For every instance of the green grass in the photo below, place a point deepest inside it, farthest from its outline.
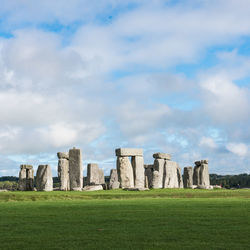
(155, 219)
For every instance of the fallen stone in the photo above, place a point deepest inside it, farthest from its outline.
(93, 188)
(75, 169)
(136, 189)
(62, 155)
(162, 156)
(125, 172)
(44, 181)
(129, 152)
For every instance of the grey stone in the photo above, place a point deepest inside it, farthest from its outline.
(75, 169)
(179, 176)
(129, 152)
(159, 166)
(188, 177)
(44, 181)
(63, 174)
(101, 176)
(201, 174)
(156, 180)
(113, 179)
(26, 178)
(136, 189)
(93, 188)
(92, 174)
(149, 175)
(162, 156)
(62, 155)
(171, 175)
(125, 172)
(138, 167)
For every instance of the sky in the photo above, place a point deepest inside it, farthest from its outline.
(165, 76)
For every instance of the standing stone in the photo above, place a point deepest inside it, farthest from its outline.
(188, 177)
(170, 174)
(101, 176)
(149, 175)
(75, 169)
(201, 174)
(63, 174)
(44, 181)
(156, 180)
(138, 167)
(113, 179)
(92, 174)
(179, 176)
(159, 166)
(125, 172)
(26, 178)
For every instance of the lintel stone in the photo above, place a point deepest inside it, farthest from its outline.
(162, 156)
(129, 152)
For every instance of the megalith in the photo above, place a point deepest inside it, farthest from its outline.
(95, 175)
(130, 172)
(201, 174)
(75, 169)
(125, 172)
(44, 180)
(149, 169)
(63, 171)
(26, 178)
(188, 177)
(166, 172)
(113, 179)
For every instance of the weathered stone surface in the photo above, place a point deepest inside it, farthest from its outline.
(62, 155)
(63, 174)
(179, 176)
(93, 188)
(162, 156)
(170, 175)
(149, 169)
(26, 178)
(159, 166)
(136, 189)
(188, 177)
(138, 167)
(156, 180)
(92, 174)
(113, 179)
(125, 172)
(75, 169)
(129, 152)
(44, 181)
(201, 174)
(101, 177)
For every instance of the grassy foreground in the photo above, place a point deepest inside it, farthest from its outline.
(155, 219)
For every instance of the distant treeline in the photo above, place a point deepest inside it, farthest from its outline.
(226, 181)
(231, 181)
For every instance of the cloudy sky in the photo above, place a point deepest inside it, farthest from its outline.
(168, 76)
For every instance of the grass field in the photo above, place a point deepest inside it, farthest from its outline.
(117, 219)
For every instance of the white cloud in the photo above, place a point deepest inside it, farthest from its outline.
(208, 142)
(239, 149)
